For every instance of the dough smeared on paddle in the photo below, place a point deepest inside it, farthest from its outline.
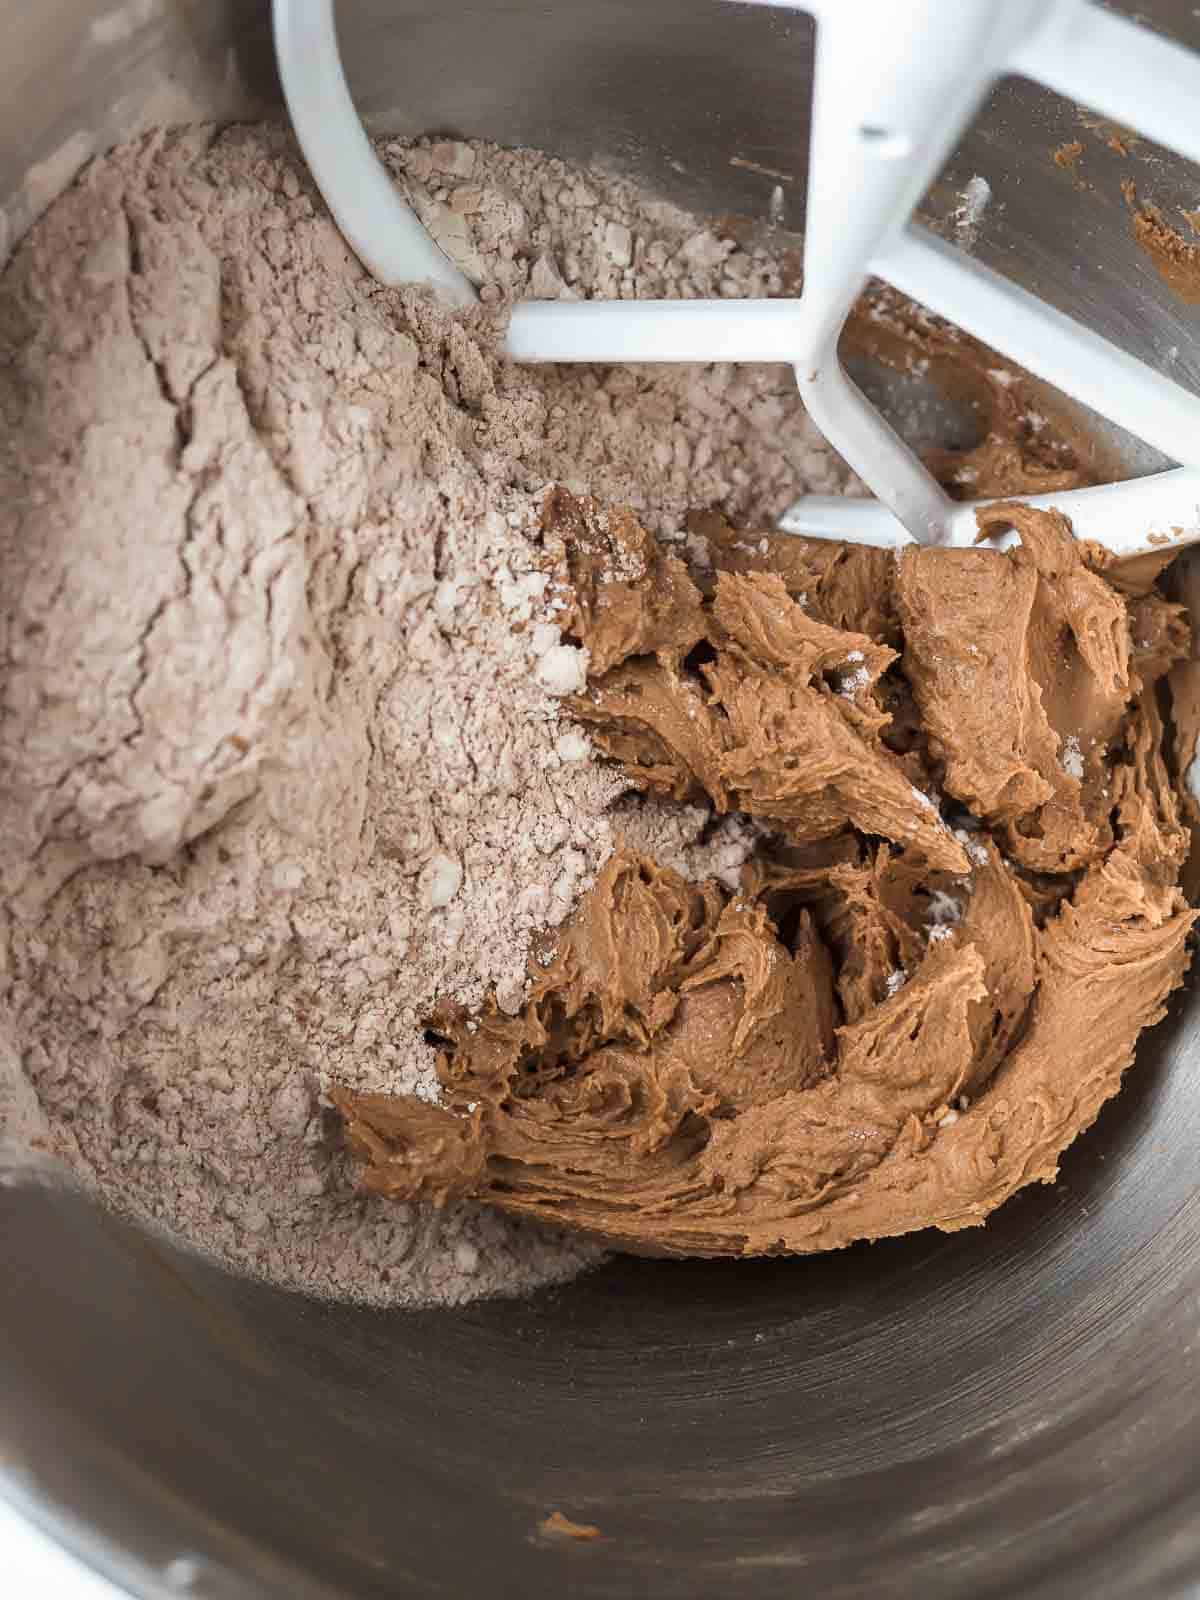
(933, 974)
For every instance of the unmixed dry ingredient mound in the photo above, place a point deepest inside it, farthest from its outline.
(282, 761)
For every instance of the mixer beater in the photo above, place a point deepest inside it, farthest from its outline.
(896, 83)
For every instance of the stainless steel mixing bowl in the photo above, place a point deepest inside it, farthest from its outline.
(1013, 1411)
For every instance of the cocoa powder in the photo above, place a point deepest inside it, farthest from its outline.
(281, 757)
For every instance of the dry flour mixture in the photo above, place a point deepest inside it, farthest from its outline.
(282, 759)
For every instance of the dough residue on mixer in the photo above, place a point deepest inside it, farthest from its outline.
(1176, 259)
(933, 973)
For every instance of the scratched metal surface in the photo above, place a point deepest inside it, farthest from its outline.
(1013, 1411)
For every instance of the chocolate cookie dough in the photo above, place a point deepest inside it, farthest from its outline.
(933, 973)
